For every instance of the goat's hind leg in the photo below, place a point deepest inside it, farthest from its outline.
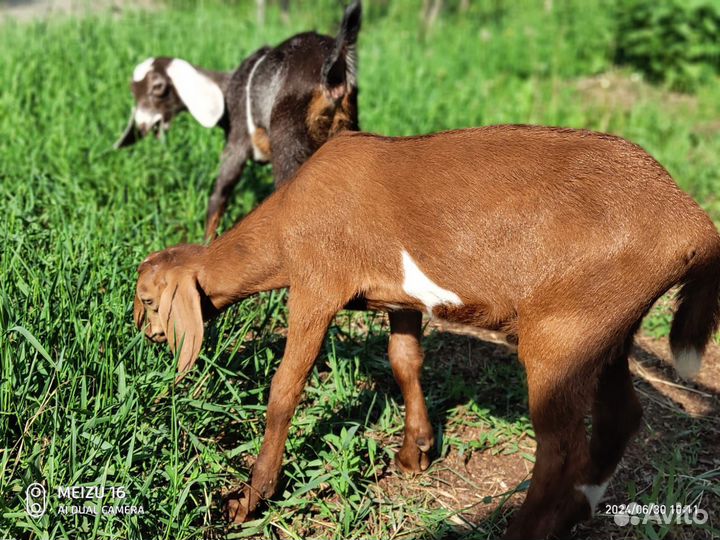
(562, 366)
(616, 416)
(406, 360)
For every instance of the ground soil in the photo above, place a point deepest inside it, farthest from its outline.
(464, 482)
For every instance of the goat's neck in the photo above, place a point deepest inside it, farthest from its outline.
(246, 260)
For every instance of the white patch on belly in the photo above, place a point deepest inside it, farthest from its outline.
(418, 285)
(142, 69)
(593, 493)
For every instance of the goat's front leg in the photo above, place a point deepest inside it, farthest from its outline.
(406, 360)
(307, 326)
(233, 161)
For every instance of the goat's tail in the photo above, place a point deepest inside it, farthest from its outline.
(696, 318)
(341, 65)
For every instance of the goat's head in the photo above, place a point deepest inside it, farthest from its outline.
(164, 87)
(168, 304)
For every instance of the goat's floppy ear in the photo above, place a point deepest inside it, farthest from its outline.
(200, 94)
(339, 72)
(130, 135)
(181, 318)
(138, 312)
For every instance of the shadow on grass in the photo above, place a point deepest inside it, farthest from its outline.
(458, 370)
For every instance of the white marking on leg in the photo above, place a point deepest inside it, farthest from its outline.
(593, 493)
(687, 362)
(418, 285)
(142, 69)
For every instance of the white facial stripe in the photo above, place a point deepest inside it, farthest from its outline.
(418, 285)
(146, 118)
(593, 493)
(142, 69)
(248, 104)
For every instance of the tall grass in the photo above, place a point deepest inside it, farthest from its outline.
(84, 400)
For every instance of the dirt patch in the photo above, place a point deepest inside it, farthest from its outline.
(482, 488)
(479, 491)
(619, 91)
(651, 362)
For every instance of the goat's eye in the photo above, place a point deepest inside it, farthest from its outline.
(159, 89)
(147, 301)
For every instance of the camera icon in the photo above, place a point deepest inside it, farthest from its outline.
(35, 500)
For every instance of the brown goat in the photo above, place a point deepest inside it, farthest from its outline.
(561, 238)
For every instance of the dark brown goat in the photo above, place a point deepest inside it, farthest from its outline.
(563, 239)
(279, 106)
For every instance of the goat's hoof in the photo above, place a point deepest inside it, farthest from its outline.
(414, 458)
(550, 520)
(237, 508)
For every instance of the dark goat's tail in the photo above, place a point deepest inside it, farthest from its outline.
(696, 319)
(339, 72)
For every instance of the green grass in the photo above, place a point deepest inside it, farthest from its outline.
(85, 400)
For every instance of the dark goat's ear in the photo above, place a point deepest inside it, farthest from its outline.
(339, 72)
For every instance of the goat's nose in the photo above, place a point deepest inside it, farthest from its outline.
(159, 337)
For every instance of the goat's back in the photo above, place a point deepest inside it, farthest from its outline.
(503, 212)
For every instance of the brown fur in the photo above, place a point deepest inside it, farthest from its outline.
(326, 117)
(261, 141)
(564, 237)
